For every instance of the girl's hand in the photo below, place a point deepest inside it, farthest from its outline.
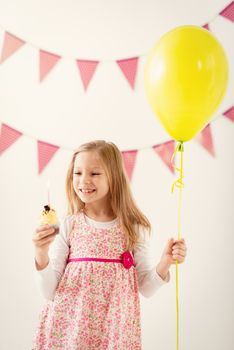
(43, 237)
(174, 250)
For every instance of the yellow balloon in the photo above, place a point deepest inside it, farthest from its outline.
(185, 80)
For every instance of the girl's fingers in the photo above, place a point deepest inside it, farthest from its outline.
(42, 228)
(41, 234)
(179, 245)
(168, 247)
(179, 259)
(44, 241)
(178, 251)
(179, 256)
(48, 240)
(179, 241)
(41, 241)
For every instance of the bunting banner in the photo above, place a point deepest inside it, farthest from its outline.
(129, 69)
(206, 140)
(87, 70)
(228, 12)
(10, 45)
(129, 159)
(8, 136)
(47, 60)
(45, 152)
(206, 26)
(230, 114)
(164, 150)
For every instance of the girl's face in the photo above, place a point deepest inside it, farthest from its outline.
(89, 178)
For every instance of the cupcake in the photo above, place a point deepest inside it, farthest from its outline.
(49, 217)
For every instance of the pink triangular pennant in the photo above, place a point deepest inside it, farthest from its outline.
(129, 158)
(165, 152)
(129, 68)
(230, 113)
(47, 62)
(87, 69)
(205, 139)
(7, 137)
(206, 26)
(228, 12)
(45, 152)
(10, 45)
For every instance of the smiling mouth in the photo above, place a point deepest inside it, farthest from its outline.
(87, 191)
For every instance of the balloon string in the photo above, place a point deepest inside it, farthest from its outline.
(179, 184)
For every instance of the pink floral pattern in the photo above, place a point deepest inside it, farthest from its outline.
(96, 304)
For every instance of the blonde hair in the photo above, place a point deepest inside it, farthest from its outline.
(121, 198)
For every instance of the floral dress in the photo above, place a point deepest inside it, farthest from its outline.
(96, 303)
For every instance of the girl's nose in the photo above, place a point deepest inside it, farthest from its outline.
(85, 179)
(86, 182)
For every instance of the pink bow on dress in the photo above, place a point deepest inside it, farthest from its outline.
(127, 259)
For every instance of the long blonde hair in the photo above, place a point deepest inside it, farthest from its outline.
(121, 198)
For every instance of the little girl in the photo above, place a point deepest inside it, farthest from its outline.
(100, 260)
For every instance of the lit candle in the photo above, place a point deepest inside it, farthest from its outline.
(48, 192)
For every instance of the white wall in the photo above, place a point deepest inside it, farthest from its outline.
(58, 111)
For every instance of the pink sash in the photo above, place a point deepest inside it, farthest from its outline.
(126, 260)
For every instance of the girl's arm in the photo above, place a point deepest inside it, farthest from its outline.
(47, 279)
(149, 281)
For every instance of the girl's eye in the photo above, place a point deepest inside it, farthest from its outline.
(92, 173)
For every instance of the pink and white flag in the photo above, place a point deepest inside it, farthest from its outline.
(7, 137)
(206, 140)
(129, 68)
(129, 159)
(165, 152)
(45, 152)
(228, 12)
(206, 26)
(47, 62)
(229, 113)
(10, 45)
(87, 70)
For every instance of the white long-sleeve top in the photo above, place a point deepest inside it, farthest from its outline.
(47, 279)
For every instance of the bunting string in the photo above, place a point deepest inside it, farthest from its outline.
(87, 67)
(227, 13)
(46, 150)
